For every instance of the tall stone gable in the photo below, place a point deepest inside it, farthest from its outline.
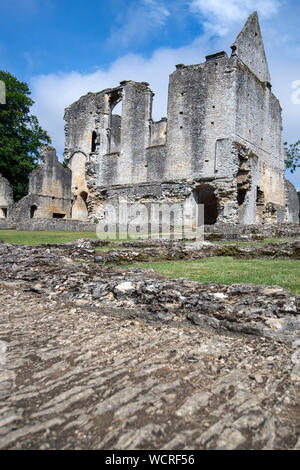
(249, 47)
(221, 144)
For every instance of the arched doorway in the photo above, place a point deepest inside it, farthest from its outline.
(33, 210)
(205, 195)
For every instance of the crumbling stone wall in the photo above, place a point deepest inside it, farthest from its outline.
(223, 134)
(49, 194)
(292, 202)
(6, 199)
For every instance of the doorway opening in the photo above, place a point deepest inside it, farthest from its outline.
(205, 195)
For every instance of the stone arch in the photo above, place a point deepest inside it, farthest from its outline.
(115, 121)
(33, 210)
(205, 195)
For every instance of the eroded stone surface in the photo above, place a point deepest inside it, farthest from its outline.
(94, 357)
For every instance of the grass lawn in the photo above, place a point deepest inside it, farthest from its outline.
(227, 270)
(35, 238)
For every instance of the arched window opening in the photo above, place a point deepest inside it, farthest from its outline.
(114, 131)
(94, 142)
(241, 194)
(3, 213)
(33, 210)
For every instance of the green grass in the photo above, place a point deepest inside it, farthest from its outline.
(35, 238)
(227, 270)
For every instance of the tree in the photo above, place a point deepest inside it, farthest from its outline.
(293, 155)
(20, 135)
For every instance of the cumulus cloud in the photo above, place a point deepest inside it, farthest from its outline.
(53, 93)
(218, 15)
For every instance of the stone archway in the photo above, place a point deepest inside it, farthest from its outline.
(205, 195)
(33, 210)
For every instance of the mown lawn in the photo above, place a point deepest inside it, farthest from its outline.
(227, 270)
(35, 238)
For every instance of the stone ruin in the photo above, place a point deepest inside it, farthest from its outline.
(221, 145)
(6, 199)
(49, 194)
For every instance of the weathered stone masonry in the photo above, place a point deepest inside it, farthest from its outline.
(221, 144)
(6, 199)
(49, 194)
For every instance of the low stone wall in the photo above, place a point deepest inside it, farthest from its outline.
(7, 224)
(52, 225)
(251, 232)
(212, 232)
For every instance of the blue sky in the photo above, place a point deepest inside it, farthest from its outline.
(65, 48)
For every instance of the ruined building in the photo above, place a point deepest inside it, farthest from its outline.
(221, 144)
(6, 199)
(49, 194)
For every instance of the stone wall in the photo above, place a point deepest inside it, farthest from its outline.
(6, 199)
(50, 193)
(255, 231)
(223, 130)
(50, 225)
(292, 202)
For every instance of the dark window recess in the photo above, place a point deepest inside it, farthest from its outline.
(260, 197)
(33, 210)
(94, 141)
(241, 196)
(58, 216)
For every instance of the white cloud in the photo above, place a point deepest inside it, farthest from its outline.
(218, 15)
(52, 93)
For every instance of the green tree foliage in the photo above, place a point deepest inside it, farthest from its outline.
(20, 135)
(293, 155)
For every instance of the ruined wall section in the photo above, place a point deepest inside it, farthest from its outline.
(50, 178)
(49, 194)
(81, 121)
(258, 125)
(200, 111)
(81, 149)
(292, 202)
(6, 199)
(156, 153)
(249, 47)
(135, 132)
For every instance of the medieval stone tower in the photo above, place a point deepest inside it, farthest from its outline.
(221, 144)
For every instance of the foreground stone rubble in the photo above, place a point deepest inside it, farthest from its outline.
(95, 356)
